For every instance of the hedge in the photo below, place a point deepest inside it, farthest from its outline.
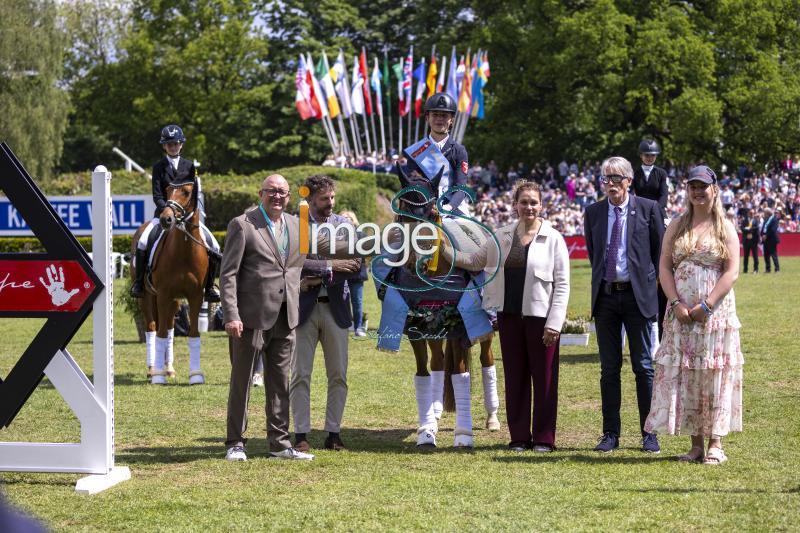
(119, 243)
(229, 195)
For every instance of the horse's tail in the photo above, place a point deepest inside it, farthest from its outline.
(449, 402)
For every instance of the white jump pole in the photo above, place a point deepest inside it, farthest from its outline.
(92, 403)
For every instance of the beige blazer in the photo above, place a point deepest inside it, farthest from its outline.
(546, 290)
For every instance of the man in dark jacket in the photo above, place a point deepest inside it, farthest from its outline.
(751, 237)
(771, 238)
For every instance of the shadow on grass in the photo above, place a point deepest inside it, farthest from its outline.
(581, 457)
(580, 358)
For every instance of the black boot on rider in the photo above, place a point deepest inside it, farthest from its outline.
(211, 293)
(137, 288)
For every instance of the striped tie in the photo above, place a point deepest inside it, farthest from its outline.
(613, 246)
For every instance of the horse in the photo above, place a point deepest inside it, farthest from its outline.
(433, 317)
(179, 270)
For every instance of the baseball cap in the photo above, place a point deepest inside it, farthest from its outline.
(702, 173)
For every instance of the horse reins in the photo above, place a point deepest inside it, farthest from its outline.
(181, 221)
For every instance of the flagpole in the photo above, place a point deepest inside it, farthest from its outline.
(411, 92)
(379, 106)
(353, 123)
(388, 82)
(342, 131)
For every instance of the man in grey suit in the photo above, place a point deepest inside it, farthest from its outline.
(325, 317)
(260, 284)
(623, 239)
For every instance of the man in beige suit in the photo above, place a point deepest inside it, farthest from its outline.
(260, 282)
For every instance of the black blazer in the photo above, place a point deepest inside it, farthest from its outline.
(164, 175)
(338, 291)
(751, 230)
(645, 229)
(653, 187)
(770, 231)
(456, 155)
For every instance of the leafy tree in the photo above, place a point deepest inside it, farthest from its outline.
(33, 106)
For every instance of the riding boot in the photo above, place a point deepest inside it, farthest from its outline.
(137, 288)
(211, 293)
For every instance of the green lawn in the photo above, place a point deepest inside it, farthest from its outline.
(172, 439)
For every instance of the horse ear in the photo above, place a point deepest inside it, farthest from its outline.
(404, 181)
(436, 179)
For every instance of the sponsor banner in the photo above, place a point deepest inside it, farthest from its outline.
(789, 246)
(43, 286)
(128, 213)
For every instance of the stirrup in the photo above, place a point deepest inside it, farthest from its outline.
(211, 295)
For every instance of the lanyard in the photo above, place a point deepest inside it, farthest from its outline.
(283, 242)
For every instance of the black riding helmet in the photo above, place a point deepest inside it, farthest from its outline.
(649, 147)
(441, 102)
(172, 133)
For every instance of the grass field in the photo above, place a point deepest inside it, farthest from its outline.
(172, 439)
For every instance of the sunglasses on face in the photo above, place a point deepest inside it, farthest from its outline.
(278, 193)
(613, 178)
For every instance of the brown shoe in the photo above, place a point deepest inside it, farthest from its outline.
(302, 446)
(334, 442)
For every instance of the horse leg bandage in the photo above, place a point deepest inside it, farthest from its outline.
(170, 347)
(422, 385)
(160, 353)
(150, 343)
(461, 386)
(194, 354)
(490, 399)
(437, 388)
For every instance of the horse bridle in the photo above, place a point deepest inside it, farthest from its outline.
(182, 217)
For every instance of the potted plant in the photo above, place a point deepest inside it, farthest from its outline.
(575, 331)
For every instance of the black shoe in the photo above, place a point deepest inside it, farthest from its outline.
(140, 262)
(211, 294)
(608, 443)
(334, 442)
(518, 446)
(650, 443)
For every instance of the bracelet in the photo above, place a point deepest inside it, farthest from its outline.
(706, 308)
(674, 302)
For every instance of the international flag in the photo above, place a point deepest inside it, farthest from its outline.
(323, 74)
(486, 72)
(362, 60)
(452, 82)
(465, 98)
(398, 74)
(357, 93)
(339, 75)
(432, 72)
(477, 87)
(408, 65)
(440, 81)
(302, 100)
(460, 70)
(419, 75)
(376, 87)
(316, 90)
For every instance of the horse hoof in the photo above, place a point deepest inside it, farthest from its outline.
(197, 378)
(158, 378)
(426, 438)
(463, 438)
(170, 371)
(492, 423)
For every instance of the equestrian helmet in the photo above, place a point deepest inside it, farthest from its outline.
(649, 147)
(441, 102)
(172, 133)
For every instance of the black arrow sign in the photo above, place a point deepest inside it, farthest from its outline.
(60, 245)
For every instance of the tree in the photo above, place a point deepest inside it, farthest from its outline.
(33, 106)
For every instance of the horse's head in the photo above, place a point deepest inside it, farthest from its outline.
(415, 202)
(181, 205)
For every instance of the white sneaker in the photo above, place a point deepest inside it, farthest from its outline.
(291, 453)
(236, 453)
(361, 333)
(426, 438)
(258, 379)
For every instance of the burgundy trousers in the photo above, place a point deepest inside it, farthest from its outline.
(527, 361)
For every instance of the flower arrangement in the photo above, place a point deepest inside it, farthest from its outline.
(576, 324)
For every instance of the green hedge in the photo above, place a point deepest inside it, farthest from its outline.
(228, 196)
(119, 243)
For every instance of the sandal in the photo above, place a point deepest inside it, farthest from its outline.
(694, 455)
(715, 456)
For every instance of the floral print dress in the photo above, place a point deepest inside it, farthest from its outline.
(697, 387)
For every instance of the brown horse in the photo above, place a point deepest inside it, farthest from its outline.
(179, 270)
(450, 360)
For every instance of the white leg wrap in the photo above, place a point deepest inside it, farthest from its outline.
(461, 384)
(490, 399)
(159, 377)
(194, 354)
(422, 385)
(170, 347)
(150, 343)
(437, 388)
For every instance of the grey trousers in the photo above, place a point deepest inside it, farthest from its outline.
(320, 327)
(277, 349)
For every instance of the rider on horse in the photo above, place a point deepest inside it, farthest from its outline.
(173, 169)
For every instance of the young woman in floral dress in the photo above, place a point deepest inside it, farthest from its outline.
(697, 389)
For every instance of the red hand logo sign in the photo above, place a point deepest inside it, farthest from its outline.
(43, 286)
